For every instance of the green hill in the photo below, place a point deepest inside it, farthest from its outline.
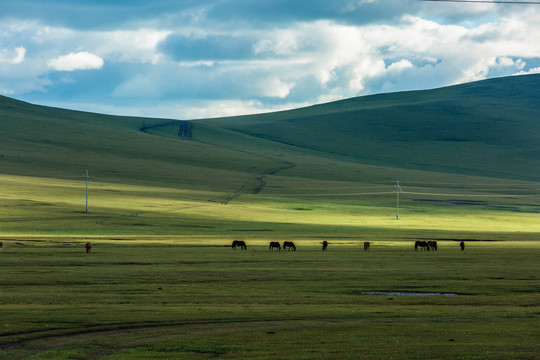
(488, 128)
(328, 168)
(162, 280)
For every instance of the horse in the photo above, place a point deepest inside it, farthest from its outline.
(289, 245)
(366, 245)
(462, 246)
(240, 243)
(1, 245)
(420, 244)
(432, 245)
(274, 245)
(88, 247)
(324, 245)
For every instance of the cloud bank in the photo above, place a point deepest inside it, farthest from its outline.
(194, 59)
(76, 61)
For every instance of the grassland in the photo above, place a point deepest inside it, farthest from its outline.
(163, 283)
(179, 300)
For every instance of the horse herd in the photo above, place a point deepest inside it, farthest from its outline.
(289, 245)
(432, 246)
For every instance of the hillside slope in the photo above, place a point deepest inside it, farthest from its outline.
(488, 128)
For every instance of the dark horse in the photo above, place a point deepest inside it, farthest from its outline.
(289, 245)
(88, 247)
(462, 246)
(240, 243)
(420, 244)
(274, 245)
(324, 245)
(432, 245)
(1, 245)
(366, 245)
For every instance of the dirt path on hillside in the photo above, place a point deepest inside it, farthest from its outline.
(254, 186)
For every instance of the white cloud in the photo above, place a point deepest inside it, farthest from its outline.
(535, 70)
(399, 66)
(306, 60)
(12, 57)
(6, 92)
(132, 46)
(76, 61)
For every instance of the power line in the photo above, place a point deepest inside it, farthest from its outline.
(468, 195)
(489, 2)
(87, 178)
(329, 194)
(397, 190)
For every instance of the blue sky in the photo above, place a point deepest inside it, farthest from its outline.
(188, 59)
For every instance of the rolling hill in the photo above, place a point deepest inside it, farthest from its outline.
(471, 146)
(487, 128)
(162, 281)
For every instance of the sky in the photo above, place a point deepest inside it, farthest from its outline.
(190, 59)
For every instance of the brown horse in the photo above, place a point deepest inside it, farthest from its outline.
(462, 246)
(1, 245)
(240, 243)
(420, 244)
(366, 245)
(324, 245)
(432, 245)
(274, 245)
(289, 245)
(88, 247)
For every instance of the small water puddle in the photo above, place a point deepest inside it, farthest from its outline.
(406, 293)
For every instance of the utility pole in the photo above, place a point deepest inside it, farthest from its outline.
(86, 177)
(397, 190)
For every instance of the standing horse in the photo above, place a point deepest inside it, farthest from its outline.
(1, 245)
(462, 246)
(274, 245)
(420, 244)
(366, 245)
(289, 245)
(240, 243)
(324, 245)
(432, 245)
(88, 247)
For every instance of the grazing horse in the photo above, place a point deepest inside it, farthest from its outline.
(324, 245)
(88, 247)
(274, 245)
(240, 243)
(289, 245)
(1, 245)
(366, 245)
(432, 245)
(420, 244)
(462, 246)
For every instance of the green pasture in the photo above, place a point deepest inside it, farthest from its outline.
(162, 282)
(185, 300)
(45, 206)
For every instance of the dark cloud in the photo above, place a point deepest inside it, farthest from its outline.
(283, 11)
(211, 47)
(97, 14)
(104, 14)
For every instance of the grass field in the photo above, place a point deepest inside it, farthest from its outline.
(163, 283)
(173, 299)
